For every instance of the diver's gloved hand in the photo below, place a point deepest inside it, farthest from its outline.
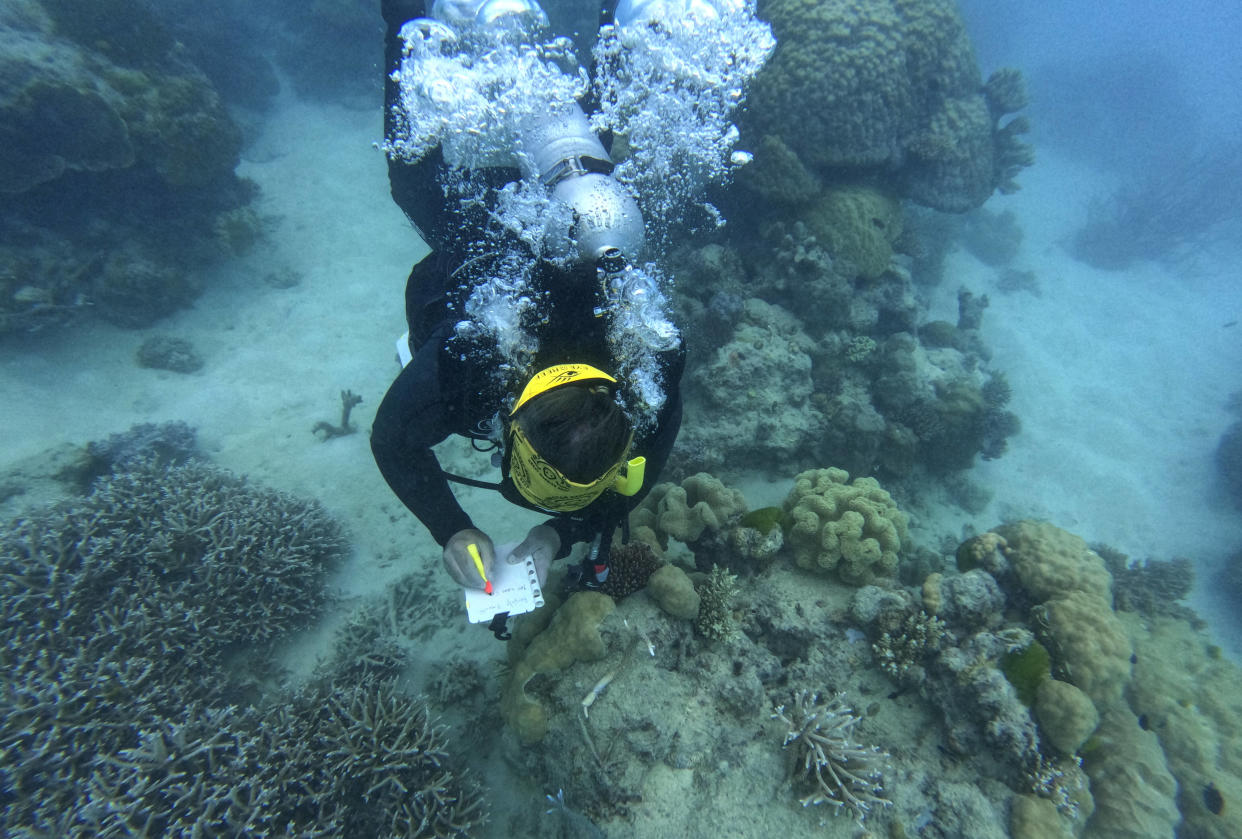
(461, 565)
(541, 544)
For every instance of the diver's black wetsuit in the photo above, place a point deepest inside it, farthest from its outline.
(451, 386)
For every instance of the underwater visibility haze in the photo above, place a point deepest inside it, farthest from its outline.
(950, 540)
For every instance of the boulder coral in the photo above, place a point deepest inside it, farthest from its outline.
(573, 635)
(1186, 692)
(1067, 716)
(1134, 792)
(674, 592)
(1073, 588)
(1050, 561)
(852, 528)
(858, 225)
(889, 85)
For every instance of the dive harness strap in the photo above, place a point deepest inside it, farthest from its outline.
(573, 166)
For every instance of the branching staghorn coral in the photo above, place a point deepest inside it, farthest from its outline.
(847, 775)
(122, 712)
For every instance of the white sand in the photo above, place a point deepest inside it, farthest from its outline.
(1119, 377)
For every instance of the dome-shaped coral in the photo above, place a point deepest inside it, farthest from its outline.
(853, 528)
(888, 85)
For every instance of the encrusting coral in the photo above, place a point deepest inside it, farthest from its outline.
(573, 635)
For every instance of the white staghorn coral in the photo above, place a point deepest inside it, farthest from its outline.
(847, 775)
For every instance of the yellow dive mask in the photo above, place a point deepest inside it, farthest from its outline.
(541, 483)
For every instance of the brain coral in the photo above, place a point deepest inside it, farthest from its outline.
(701, 504)
(889, 84)
(853, 528)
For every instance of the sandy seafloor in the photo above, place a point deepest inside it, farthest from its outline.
(1120, 379)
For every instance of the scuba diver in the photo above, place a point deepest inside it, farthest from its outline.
(533, 330)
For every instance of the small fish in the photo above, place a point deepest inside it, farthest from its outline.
(1229, 324)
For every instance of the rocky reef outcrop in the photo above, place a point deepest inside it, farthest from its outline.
(117, 166)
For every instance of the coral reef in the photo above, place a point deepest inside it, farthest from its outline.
(847, 775)
(168, 352)
(755, 391)
(136, 641)
(852, 528)
(1150, 745)
(844, 381)
(871, 87)
(117, 157)
(1074, 614)
(672, 713)
(804, 360)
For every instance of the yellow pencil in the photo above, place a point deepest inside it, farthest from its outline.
(478, 563)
